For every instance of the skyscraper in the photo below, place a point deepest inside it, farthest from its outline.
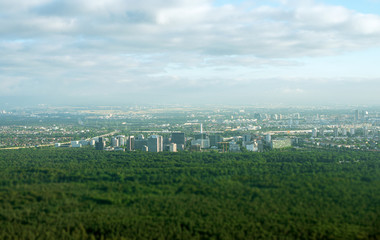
(130, 143)
(178, 138)
(100, 144)
(356, 115)
(155, 143)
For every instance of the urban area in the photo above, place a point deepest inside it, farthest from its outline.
(173, 128)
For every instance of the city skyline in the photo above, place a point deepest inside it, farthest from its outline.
(219, 52)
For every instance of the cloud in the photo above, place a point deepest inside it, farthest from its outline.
(124, 45)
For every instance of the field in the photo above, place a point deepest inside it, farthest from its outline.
(88, 194)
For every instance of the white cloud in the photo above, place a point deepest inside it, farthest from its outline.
(110, 45)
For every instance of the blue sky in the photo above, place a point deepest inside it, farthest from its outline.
(292, 52)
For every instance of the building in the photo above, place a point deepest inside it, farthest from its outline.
(75, 144)
(139, 144)
(121, 139)
(180, 147)
(344, 132)
(214, 140)
(155, 143)
(173, 147)
(100, 144)
(321, 132)
(356, 115)
(201, 136)
(203, 143)
(130, 146)
(234, 147)
(365, 131)
(114, 142)
(252, 147)
(178, 138)
(314, 133)
(352, 131)
(268, 138)
(247, 138)
(336, 132)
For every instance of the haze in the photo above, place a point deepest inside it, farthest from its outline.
(190, 51)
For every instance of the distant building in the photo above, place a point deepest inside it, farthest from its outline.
(314, 133)
(365, 131)
(195, 148)
(201, 136)
(336, 132)
(155, 143)
(140, 144)
(247, 138)
(121, 139)
(356, 115)
(114, 142)
(203, 143)
(268, 138)
(130, 146)
(180, 147)
(214, 140)
(344, 132)
(166, 140)
(100, 144)
(352, 131)
(84, 142)
(178, 138)
(234, 147)
(144, 148)
(173, 147)
(75, 144)
(322, 132)
(252, 147)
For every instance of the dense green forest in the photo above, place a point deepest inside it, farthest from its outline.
(89, 194)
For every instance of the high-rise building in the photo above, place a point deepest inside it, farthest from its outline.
(356, 115)
(365, 131)
(201, 136)
(247, 138)
(314, 133)
(114, 142)
(100, 144)
(178, 138)
(130, 146)
(121, 139)
(352, 131)
(268, 138)
(155, 143)
(214, 140)
(336, 132)
(321, 132)
(173, 147)
(344, 132)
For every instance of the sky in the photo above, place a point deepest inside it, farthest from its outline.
(106, 52)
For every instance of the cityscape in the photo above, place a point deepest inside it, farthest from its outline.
(189, 119)
(194, 129)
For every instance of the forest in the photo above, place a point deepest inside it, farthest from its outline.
(52, 193)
